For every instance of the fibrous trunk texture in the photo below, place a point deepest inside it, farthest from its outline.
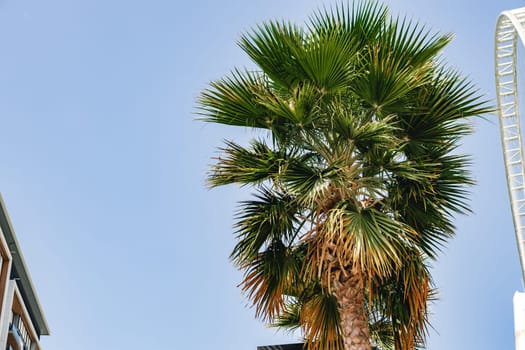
(354, 321)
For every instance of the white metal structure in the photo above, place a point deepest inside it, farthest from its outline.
(510, 27)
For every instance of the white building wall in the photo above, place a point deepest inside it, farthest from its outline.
(7, 313)
(519, 320)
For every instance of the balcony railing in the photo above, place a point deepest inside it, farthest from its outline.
(19, 332)
(298, 346)
(282, 347)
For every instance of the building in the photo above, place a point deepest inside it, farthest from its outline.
(22, 319)
(297, 346)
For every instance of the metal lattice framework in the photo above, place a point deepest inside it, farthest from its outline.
(510, 27)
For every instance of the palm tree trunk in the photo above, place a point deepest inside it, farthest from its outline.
(354, 321)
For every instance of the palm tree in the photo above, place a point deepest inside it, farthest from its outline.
(356, 172)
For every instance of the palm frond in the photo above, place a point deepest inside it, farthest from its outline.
(272, 216)
(381, 331)
(271, 46)
(356, 237)
(267, 277)
(321, 322)
(231, 101)
(290, 317)
(246, 165)
(403, 298)
(362, 20)
(412, 44)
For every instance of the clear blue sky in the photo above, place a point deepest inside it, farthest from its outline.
(103, 167)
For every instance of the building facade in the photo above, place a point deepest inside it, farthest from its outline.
(22, 319)
(297, 346)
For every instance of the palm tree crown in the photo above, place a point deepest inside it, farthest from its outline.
(356, 172)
